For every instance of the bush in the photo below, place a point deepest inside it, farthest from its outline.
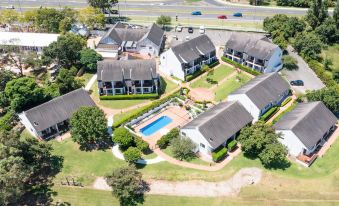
(146, 109)
(183, 148)
(242, 67)
(123, 137)
(269, 113)
(130, 96)
(194, 75)
(132, 154)
(219, 154)
(213, 64)
(318, 68)
(141, 144)
(6, 121)
(164, 141)
(231, 145)
(287, 100)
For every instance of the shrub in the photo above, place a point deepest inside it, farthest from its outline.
(6, 121)
(214, 63)
(130, 96)
(183, 148)
(132, 154)
(231, 145)
(123, 137)
(164, 141)
(194, 75)
(318, 68)
(219, 154)
(287, 100)
(269, 113)
(242, 67)
(141, 144)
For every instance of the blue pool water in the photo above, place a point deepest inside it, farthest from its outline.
(155, 125)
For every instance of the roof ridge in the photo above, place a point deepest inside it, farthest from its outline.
(227, 105)
(257, 83)
(309, 109)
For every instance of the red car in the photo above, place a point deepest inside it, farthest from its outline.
(222, 17)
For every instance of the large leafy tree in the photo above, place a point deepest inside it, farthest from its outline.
(327, 31)
(5, 76)
(89, 59)
(27, 168)
(66, 50)
(89, 128)
(273, 154)
(66, 80)
(308, 44)
(132, 154)
(123, 137)
(24, 93)
(317, 13)
(183, 148)
(8, 16)
(91, 17)
(127, 185)
(48, 20)
(102, 4)
(329, 96)
(336, 14)
(164, 20)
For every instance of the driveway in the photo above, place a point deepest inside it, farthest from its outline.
(311, 81)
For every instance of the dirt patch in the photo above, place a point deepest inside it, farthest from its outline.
(229, 188)
(201, 94)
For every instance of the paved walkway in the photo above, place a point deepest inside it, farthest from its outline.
(282, 109)
(91, 82)
(215, 167)
(118, 154)
(228, 188)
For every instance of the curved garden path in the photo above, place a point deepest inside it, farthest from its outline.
(227, 188)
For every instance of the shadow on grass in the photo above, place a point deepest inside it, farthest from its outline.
(98, 145)
(275, 165)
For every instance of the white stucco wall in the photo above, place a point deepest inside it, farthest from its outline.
(291, 141)
(274, 61)
(197, 138)
(146, 47)
(247, 103)
(170, 65)
(28, 125)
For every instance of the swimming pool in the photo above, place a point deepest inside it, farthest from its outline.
(156, 125)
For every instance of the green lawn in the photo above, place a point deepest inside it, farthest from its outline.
(197, 161)
(332, 52)
(223, 90)
(86, 77)
(217, 75)
(170, 86)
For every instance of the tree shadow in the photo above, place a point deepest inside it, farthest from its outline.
(163, 86)
(279, 165)
(98, 145)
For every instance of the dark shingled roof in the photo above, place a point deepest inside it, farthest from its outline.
(264, 89)
(221, 122)
(117, 70)
(253, 45)
(155, 34)
(308, 121)
(192, 49)
(58, 109)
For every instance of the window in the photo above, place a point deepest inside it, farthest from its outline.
(146, 90)
(202, 145)
(150, 47)
(138, 90)
(183, 133)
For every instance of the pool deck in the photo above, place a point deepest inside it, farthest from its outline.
(179, 116)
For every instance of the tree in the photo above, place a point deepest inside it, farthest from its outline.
(308, 45)
(127, 185)
(290, 63)
(328, 63)
(102, 4)
(132, 154)
(89, 58)
(273, 155)
(8, 16)
(329, 96)
(164, 20)
(66, 80)
(5, 76)
(123, 137)
(91, 17)
(48, 20)
(328, 32)
(23, 93)
(88, 127)
(27, 168)
(66, 50)
(335, 74)
(317, 13)
(142, 145)
(336, 14)
(183, 148)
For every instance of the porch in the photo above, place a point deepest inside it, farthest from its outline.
(55, 130)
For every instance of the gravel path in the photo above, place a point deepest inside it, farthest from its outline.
(228, 188)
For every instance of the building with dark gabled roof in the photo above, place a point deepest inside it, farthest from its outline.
(52, 118)
(127, 77)
(217, 126)
(124, 38)
(188, 57)
(306, 128)
(261, 93)
(255, 52)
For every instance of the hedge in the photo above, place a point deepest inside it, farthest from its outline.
(144, 110)
(240, 66)
(165, 140)
(130, 96)
(213, 64)
(219, 154)
(269, 113)
(287, 100)
(231, 145)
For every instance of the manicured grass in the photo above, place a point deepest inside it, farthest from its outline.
(223, 90)
(196, 160)
(170, 86)
(87, 76)
(217, 75)
(332, 52)
(114, 104)
(122, 115)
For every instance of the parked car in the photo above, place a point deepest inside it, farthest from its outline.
(196, 13)
(222, 17)
(190, 29)
(10, 7)
(202, 30)
(297, 82)
(179, 28)
(187, 38)
(237, 14)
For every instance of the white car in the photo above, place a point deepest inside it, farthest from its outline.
(202, 30)
(179, 28)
